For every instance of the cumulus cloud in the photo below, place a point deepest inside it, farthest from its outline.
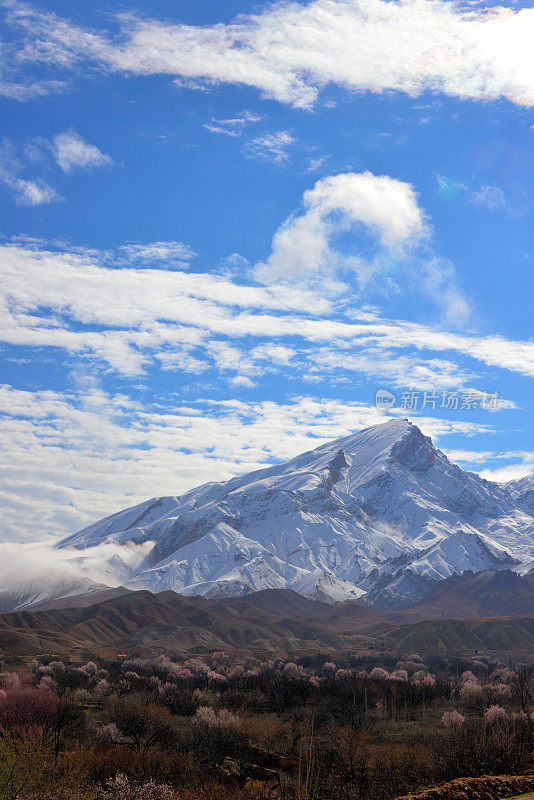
(291, 50)
(71, 152)
(385, 206)
(243, 381)
(309, 245)
(181, 360)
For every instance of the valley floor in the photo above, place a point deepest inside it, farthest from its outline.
(365, 726)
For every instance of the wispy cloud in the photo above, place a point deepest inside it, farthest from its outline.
(14, 83)
(270, 147)
(68, 150)
(510, 472)
(315, 164)
(233, 126)
(32, 192)
(489, 195)
(24, 90)
(60, 299)
(26, 191)
(170, 255)
(290, 51)
(396, 370)
(72, 152)
(521, 463)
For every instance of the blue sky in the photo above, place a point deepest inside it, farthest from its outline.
(224, 227)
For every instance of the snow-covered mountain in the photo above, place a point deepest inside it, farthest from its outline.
(380, 514)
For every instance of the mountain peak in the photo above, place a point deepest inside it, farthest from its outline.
(378, 511)
(367, 453)
(414, 450)
(379, 437)
(368, 445)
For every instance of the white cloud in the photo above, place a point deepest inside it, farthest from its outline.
(401, 371)
(436, 278)
(28, 90)
(233, 126)
(20, 87)
(33, 193)
(386, 206)
(27, 192)
(489, 195)
(68, 150)
(233, 265)
(521, 466)
(68, 300)
(228, 357)
(242, 380)
(181, 361)
(23, 564)
(158, 309)
(275, 353)
(315, 164)
(71, 152)
(511, 472)
(468, 457)
(175, 255)
(291, 50)
(270, 147)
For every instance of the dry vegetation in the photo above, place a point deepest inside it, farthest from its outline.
(216, 728)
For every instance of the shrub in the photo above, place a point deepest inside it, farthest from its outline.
(120, 788)
(40, 775)
(26, 712)
(104, 764)
(142, 727)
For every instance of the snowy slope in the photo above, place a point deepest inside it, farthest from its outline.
(381, 512)
(523, 492)
(23, 594)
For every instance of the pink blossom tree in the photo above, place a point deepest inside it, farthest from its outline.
(495, 714)
(452, 719)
